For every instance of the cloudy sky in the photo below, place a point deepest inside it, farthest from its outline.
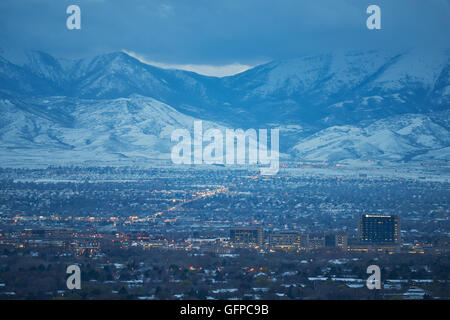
(219, 36)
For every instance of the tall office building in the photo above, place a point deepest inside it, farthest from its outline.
(247, 235)
(288, 240)
(379, 229)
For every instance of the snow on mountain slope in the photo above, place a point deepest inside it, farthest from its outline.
(113, 75)
(22, 129)
(363, 85)
(442, 154)
(114, 107)
(134, 127)
(342, 71)
(419, 66)
(392, 139)
(328, 73)
(17, 80)
(304, 90)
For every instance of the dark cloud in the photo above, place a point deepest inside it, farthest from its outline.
(220, 32)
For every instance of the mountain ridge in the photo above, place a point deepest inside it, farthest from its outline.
(308, 98)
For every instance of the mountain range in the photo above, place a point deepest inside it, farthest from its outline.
(341, 106)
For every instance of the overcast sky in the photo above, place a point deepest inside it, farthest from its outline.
(219, 36)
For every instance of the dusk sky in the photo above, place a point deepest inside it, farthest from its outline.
(211, 36)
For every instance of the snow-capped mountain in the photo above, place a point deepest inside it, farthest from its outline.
(108, 76)
(383, 105)
(397, 138)
(66, 130)
(313, 91)
(343, 88)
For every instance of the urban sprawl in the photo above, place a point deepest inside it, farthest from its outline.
(216, 233)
